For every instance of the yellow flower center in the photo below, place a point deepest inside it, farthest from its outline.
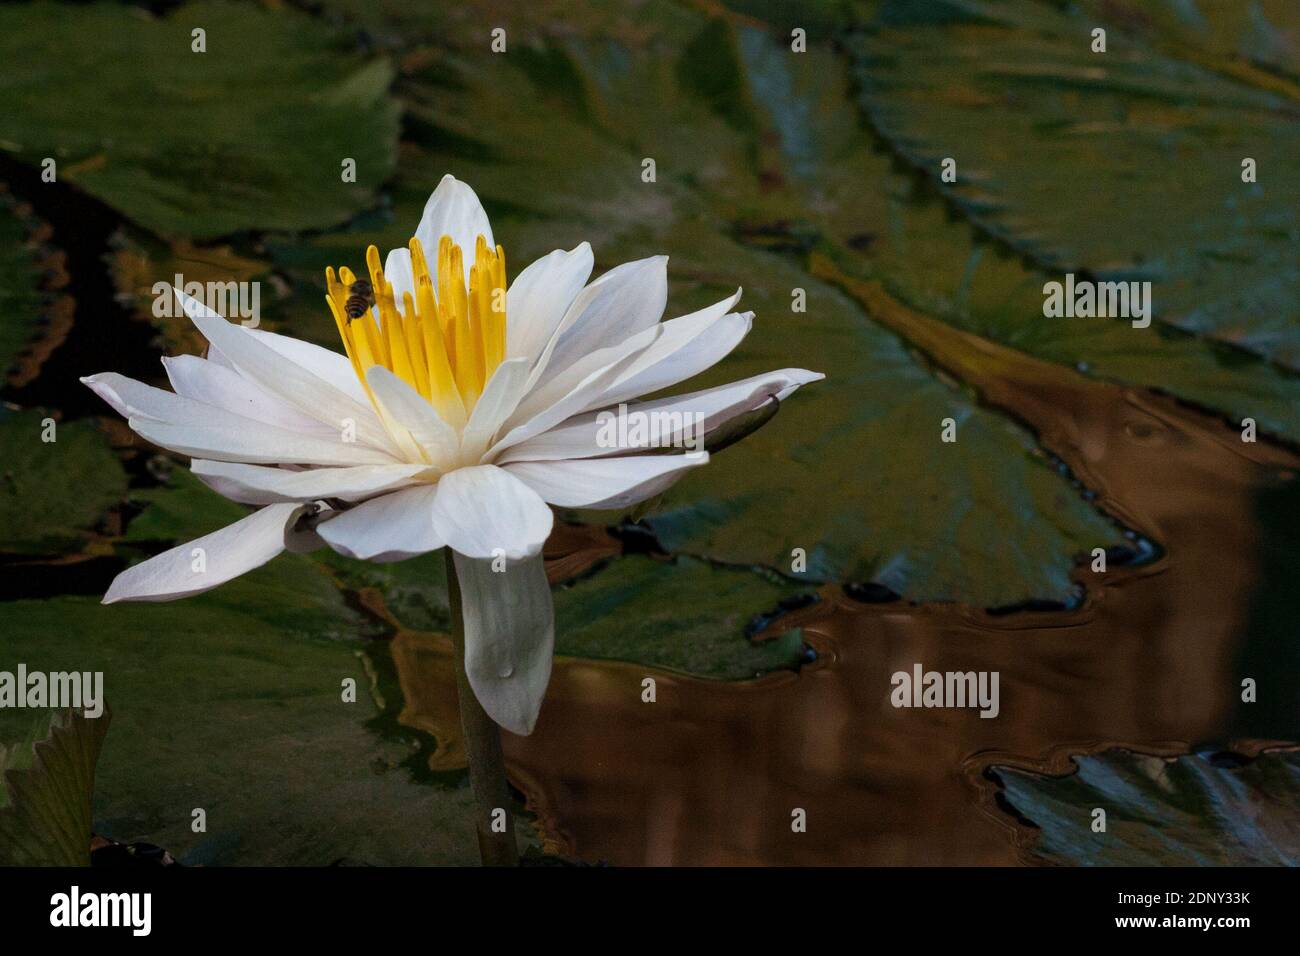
(444, 344)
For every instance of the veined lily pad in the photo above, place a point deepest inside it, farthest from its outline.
(894, 229)
(250, 134)
(46, 790)
(1041, 127)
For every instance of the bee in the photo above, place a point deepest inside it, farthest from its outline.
(361, 297)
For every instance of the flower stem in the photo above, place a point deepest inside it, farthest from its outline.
(487, 765)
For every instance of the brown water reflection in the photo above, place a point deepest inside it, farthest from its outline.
(711, 772)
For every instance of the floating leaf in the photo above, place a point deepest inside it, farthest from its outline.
(232, 702)
(1043, 129)
(51, 492)
(250, 134)
(681, 614)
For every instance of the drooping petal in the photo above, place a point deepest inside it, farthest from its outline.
(539, 298)
(388, 528)
(509, 637)
(289, 381)
(454, 210)
(483, 512)
(205, 431)
(627, 299)
(604, 482)
(682, 419)
(259, 485)
(409, 410)
(205, 562)
(219, 385)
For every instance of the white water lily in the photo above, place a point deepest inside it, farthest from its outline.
(458, 414)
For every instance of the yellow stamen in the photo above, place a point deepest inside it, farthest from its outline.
(444, 342)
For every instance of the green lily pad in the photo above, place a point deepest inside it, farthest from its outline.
(180, 509)
(681, 614)
(250, 134)
(1057, 148)
(45, 795)
(1197, 810)
(52, 492)
(889, 226)
(232, 702)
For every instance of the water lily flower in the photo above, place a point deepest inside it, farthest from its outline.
(459, 410)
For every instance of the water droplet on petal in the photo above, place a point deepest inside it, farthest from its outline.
(506, 670)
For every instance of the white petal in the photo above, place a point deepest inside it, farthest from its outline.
(222, 386)
(571, 404)
(604, 482)
(388, 528)
(547, 393)
(484, 512)
(624, 301)
(539, 298)
(294, 384)
(398, 272)
(210, 560)
(453, 210)
(409, 410)
(509, 637)
(332, 367)
(681, 419)
(234, 441)
(687, 346)
(205, 431)
(500, 397)
(259, 485)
